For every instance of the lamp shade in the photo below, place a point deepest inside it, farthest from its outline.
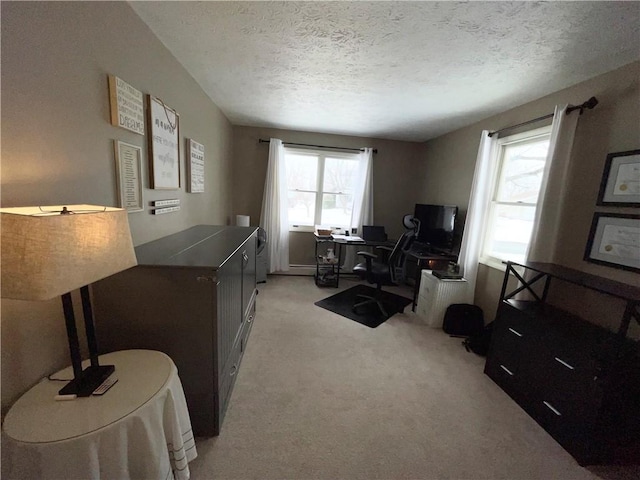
(49, 251)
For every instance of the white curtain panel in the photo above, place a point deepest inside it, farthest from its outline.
(546, 223)
(362, 213)
(477, 209)
(274, 216)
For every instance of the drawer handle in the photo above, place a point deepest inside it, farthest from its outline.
(250, 319)
(550, 407)
(506, 370)
(515, 332)
(564, 363)
(234, 369)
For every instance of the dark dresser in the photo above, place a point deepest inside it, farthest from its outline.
(579, 381)
(193, 297)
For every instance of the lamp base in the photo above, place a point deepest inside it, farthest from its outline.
(92, 377)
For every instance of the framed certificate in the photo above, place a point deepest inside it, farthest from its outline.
(620, 184)
(614, 240)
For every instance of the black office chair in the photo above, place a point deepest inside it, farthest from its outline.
(383, 271)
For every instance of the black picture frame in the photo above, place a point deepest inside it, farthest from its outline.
(614, 188)
(614, 239)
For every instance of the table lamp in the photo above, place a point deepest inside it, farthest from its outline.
(51, 251)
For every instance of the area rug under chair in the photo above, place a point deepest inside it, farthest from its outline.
(369, 315)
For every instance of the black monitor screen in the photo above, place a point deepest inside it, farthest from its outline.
(437, 223)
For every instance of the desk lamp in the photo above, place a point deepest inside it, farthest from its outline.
(51, 251)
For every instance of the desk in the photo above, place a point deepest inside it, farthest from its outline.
(333, 269)
(139, 429)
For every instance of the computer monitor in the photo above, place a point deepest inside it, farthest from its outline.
(437, 223)
(374, 233)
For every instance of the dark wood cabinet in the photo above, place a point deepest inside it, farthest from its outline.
(579, 381)
(192, 296)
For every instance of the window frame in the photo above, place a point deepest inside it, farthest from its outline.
(320, 174)
(498, 165)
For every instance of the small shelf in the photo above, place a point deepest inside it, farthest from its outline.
(327, 269)
(587, 280)
(326, 280)
(545, 272)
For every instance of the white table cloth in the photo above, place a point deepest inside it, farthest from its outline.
(139, 429)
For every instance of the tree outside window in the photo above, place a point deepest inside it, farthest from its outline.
(321, 187)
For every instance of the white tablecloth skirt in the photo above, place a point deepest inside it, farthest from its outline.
(154, 442)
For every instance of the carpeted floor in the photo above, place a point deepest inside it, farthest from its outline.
(318, 398)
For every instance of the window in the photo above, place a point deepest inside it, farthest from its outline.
(321, 187)
(519, 165)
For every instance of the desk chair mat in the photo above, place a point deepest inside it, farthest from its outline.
(369, 315)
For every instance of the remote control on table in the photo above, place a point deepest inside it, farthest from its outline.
(104, 386)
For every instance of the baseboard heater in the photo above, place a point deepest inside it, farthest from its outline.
(305, 270)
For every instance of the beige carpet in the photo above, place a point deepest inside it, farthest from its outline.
(319, 396)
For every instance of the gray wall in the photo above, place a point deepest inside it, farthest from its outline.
(57, 143)
(397, 170)
(613, 126)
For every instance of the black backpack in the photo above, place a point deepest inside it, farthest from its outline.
(479, 343)
(463, 320)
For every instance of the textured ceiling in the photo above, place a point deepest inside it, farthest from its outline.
(396, 70)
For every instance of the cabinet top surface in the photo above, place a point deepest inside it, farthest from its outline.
(587, 280)
(199, 246)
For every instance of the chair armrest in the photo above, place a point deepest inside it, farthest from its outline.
(368, 258)
(386, 251)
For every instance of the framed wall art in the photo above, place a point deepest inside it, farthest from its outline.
(614, 240)
(164, 148)
(129, 175)
(195, 166)
(127, 109)
(621, 180)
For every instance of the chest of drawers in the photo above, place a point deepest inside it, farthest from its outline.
(579, 381)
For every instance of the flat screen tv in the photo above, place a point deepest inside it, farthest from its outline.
(437, 224)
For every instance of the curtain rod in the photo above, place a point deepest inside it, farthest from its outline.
(589, 104)
(375, 150)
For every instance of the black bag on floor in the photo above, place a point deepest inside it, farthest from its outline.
(479, 343)
(463, 320)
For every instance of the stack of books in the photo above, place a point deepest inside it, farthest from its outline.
(446, 275)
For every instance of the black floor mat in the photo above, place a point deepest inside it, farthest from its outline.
(369, 315)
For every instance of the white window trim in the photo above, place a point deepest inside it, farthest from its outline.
(321, 154)
(498, 163)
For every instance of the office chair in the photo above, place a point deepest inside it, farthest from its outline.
(383, 272)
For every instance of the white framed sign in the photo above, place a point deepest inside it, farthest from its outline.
(129, 175)
(127, 109)
(195, 166)
(164, 149)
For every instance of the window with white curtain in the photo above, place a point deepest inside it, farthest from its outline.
(519, 164)
(320, 187)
